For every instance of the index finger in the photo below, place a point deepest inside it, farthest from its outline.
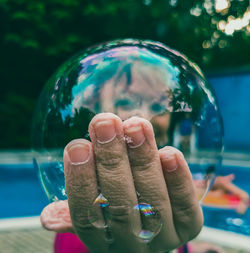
(81, 186)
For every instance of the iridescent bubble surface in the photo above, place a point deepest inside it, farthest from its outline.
(99, 216)
(129, 77)
(150, 222)
(98, 213)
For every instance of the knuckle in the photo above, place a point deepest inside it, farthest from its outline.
(74, 177)
(144, 160)
(185, 212)
(74, 189)
(120, 214)
(142, 163)
(109, 160)
(185, 198)
(182, 188)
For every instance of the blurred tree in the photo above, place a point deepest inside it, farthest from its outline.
(36, 36)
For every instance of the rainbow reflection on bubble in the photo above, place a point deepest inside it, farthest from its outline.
(146, 209)
(101, 201)
(98, 214)
(151, 222)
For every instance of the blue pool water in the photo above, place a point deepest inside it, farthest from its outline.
(21, 194)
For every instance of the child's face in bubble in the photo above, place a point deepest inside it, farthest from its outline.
(144, 97)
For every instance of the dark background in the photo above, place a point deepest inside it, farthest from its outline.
(37, 36)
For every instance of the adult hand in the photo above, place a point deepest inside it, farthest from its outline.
(121, 167)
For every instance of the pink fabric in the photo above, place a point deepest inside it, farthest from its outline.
(186, 248)
(69, 243)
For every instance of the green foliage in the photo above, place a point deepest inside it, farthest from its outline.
(37, 36)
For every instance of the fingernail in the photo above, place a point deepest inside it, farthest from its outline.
(135, 136)
(105, 131)
(169, 162)
(78, 153)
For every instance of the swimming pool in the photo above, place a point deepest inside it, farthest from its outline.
(21, 195)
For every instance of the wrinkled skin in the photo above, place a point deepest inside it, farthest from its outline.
(161, 177)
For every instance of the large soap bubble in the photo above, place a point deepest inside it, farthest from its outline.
(128, 77)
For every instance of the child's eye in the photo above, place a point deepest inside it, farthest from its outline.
(125, 104)
(156, 107)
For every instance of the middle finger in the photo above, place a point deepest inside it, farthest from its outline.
(114, 175)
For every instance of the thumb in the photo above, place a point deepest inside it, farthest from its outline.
(56, 217)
